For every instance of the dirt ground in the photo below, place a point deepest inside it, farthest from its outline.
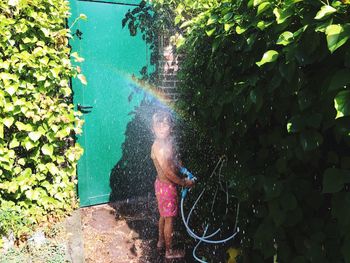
(126, 232)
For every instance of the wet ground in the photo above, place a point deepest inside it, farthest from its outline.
(126, 232)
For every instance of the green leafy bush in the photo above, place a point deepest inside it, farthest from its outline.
(269, 83)
(37, 121)
(13, 220)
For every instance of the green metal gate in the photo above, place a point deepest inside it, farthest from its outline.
(111, 57)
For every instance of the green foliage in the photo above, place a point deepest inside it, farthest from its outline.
(13, 220)
(50, 252)
(268, 82)
(37, 121)
(150, 25)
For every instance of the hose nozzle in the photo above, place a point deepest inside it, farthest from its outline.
(190, 176)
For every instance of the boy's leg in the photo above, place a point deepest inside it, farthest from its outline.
(168, 234)
(161, 239)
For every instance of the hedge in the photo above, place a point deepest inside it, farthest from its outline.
(268, 82)
(38, 154)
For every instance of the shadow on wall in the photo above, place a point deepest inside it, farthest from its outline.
(134, 174)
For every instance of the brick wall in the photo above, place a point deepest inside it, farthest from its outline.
(168, 67)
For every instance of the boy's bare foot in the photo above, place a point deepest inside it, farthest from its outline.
(170, 254)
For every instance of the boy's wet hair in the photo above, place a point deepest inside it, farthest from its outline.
(162, 116)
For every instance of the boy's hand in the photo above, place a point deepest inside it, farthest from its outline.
(189, 183)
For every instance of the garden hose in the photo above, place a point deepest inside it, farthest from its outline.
(205, 238)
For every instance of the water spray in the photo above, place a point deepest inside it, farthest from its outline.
(206, 238)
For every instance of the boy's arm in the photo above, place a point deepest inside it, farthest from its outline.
(170, 171)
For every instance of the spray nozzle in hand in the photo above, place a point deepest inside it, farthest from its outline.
(190, 176)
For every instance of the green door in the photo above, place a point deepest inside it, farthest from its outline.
(111, 56)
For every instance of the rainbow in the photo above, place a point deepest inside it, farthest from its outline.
(154, 93)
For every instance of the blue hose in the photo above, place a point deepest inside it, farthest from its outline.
(203, 238)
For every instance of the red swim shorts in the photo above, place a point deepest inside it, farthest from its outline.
(167, 198)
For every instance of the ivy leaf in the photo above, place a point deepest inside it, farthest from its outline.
(59, 196)
(342, 103)
(66, 92)
(12, 187)
(263, 7)
(29, 145)
(268, 57)
(52, 168)
(212, 20)
(337, 35)
(180, 41)
(333, 180)
(21, 161)
(60, 159)
(71, 156)
(32, 194)
(14, 143)
(228, 26)
(8, 121)
(340, 79)
(290, 2)
(285, 38)
(46, 31)
(11, 89)
(325, 11)
(282, 14)
(13, 2)
(240, 30)
(186, 24)
(299, 32)
(228, 16)
(27, 172)
(210, 32)
(310, 140)
(7, 76)
(47, 149)
(177, 19)
(23, 127)
(34, 136)
(258, 2)
(262, 24)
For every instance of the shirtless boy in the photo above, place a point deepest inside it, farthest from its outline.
(167, 179)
